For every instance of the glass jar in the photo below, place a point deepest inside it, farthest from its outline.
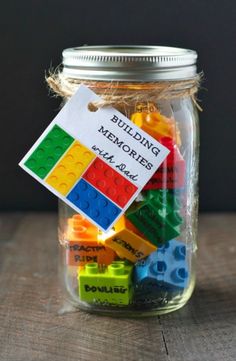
(146, 264)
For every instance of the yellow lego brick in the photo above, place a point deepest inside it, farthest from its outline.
(70, 168)
(127, 241)
(157, 125)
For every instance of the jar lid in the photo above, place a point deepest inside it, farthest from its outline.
(129, 63)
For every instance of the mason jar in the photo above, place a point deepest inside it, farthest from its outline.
(145, 265)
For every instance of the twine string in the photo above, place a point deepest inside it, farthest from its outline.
(117, 94)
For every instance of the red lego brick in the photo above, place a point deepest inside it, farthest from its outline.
(109, 182)
(171, 173)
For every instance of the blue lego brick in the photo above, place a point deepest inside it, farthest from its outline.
(94, 204)
(164, 269)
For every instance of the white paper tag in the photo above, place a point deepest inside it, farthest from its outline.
(97, 162)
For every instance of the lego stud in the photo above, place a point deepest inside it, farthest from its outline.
(176, 203)
(80, 229)
(141, 263)
(118, 262)
(179, 275)
(116, 269)
(91, 268)
(158, 268)
(161, 200)
(78, 218)
(164, 247)
(180, 252)
(174, 218)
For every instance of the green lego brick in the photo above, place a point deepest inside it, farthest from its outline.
(111, 285)
(49, 151)
(164, 199)
(157, 216)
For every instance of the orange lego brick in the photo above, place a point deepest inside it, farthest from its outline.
(83, 246)
(79, 228)
(70, 168)
(127, 241)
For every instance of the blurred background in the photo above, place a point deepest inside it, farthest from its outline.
(33, 35)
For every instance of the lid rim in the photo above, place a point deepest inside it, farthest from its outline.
(125, 63)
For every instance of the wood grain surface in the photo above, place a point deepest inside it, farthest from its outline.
(36, 325)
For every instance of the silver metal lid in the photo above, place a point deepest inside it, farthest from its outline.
(129, 63)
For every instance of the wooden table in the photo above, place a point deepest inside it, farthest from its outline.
(35, 325)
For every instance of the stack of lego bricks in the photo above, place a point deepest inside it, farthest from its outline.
(142, 257)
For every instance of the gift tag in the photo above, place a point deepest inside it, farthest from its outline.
(96, 162)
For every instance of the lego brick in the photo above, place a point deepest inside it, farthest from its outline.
(49, 151)
(111, 285)
(127, 241)
(157, 216)
(78, 227)
(110, 182)
(171, 173)
(82, 244)
(70, 168)
(164, 269)
(93, 204)
(156, 124)
(166, 200)
(78, 253)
